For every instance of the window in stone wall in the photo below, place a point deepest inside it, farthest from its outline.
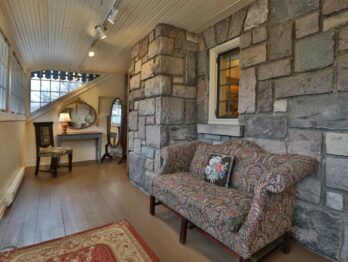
(228, 84)
(224, 83)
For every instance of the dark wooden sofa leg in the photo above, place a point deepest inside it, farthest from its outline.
(70, 162)
(37, 165)
(152, 205)
(183, 230)
(54, 165)
(286, 246)
(241, 259)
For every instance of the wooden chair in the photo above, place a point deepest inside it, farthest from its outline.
(45, 148)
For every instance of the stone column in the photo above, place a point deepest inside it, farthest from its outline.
(162, 98)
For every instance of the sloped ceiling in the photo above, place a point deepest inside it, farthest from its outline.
(57, 34)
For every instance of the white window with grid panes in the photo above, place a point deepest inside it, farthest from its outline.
(17, 94)
(4, 50)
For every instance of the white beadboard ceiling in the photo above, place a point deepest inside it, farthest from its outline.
(57, 34)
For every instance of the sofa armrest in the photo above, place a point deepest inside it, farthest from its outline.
(177, 158)
(290, 172)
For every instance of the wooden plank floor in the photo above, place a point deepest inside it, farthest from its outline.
(92, 195)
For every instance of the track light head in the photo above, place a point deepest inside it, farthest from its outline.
(91, 53)
(112, 16)
(100, 32)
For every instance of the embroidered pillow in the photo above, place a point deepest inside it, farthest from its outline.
(218, 170)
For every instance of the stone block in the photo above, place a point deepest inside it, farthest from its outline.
(280, 40)
(150, 120)
(192, 37)
(257, 14)
(289, 9)
(221, 30)
(343, 39)
(137, 146)
(272, 146)
(161, 46)
(337, 173)
(317, 229)
(143, 47)
(202, 101)
(190, 111)
(190, 69)
(309, 58)
(321, 111)
(253, 55)
(280, 105)
(141, 127)
(133, 120)
(182, 133)
(149, 164)
(209, 37)
(334, 201)
(178, 80)
(259, 34)
(184, 91)
(148, 177)
(148, 152)
(130, 140)
(171, 111)
(247, 91)
(305, 142)
(223, 130)
(245, 40)
(336, 144)
(307, 25)
(156, 136)
(274, 69)
(202, 62)
(158, 161)
(265, 97)
(170, 31)
(135, 51)
(266, 126)
(342, 72)
(236, 23)
(168, 65)
(137, 94)
(136, 105)
(137, 67)
(147, 70)
(136, 169)
(158, 85)
(304, 84)
(147, 107)
(134, 82)
(309, 189)
(330, 6)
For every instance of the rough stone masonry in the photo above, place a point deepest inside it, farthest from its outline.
(293, 99)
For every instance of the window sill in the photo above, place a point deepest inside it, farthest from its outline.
(6, 117)
(232, 129)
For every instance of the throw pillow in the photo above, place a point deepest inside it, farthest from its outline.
(218, 170)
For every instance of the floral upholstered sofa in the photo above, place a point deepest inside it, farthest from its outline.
(254, 211)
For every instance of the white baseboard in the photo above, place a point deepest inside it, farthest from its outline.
(12, 190)
(2, 206)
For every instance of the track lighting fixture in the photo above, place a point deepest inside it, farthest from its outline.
(112, 16)
(100, 32)
(91, 53)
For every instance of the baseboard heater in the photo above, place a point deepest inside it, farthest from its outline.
(14, 186)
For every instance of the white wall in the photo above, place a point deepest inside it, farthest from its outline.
(84, 150)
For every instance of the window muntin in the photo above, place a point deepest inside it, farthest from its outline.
(49, 85)
(228, 75)
(4, 51)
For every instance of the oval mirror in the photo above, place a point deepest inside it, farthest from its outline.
(82, 115)
(115, 122)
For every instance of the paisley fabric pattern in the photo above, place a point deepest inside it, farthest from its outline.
(205, 203)
(54, 151)
(182, 153)
(255, 211)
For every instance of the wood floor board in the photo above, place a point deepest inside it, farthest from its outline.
(96, 194)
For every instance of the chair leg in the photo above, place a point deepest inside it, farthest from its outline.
(286, 246)
(183, 231)
(241, 259)
(37, 165)
(70, 162)
(54, 165)
(152, 205)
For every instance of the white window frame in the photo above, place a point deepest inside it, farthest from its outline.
(213, 54)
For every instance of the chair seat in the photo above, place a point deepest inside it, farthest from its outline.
(203, 203)
(55, 151)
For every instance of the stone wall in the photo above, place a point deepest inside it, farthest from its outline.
(162, 98)
(296, 51)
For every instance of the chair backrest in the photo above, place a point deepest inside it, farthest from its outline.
(43, 134)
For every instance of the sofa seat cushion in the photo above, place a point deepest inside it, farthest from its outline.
(204, 204)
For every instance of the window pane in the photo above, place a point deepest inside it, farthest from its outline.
(54, 86)
(45, 85)
(45, 97)
(54, 96)
(34, 106)
(35, 96)
(64, 86)
(225, 61)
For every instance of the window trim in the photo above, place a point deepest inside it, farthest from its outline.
(213, 76)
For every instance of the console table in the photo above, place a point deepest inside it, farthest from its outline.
(97, 136)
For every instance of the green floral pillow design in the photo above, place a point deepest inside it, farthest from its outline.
(218, 170)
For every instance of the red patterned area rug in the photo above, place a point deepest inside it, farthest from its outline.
(114, 242)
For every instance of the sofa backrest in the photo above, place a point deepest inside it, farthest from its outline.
(251, 162)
